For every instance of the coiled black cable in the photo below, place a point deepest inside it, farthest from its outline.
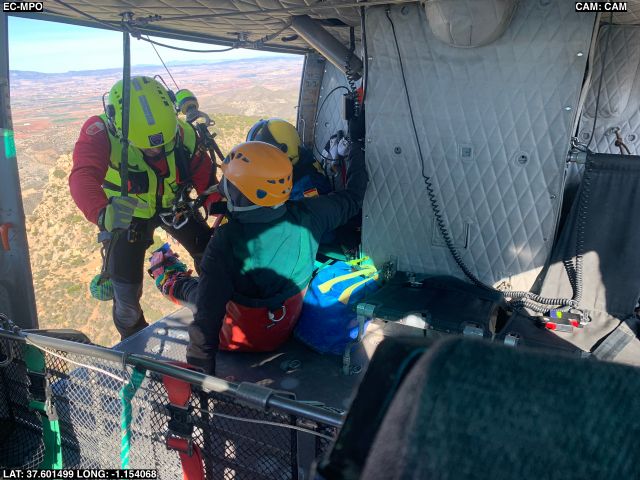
(519, 299)
(351, 80)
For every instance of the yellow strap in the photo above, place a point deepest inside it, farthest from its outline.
(367, 271)
(358, 261)
(346, 295)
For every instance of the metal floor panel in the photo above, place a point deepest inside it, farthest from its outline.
(294, 367)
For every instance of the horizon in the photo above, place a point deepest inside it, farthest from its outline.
(41, 46)
(174, 63)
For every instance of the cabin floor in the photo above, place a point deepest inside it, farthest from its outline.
(294, 367)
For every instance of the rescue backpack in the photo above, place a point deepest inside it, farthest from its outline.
(328, 321)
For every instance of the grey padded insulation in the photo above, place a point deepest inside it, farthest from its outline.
(478, 111)
(620, 92)
(469, 23)
(631, 16)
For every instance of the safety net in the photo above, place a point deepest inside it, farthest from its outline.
(68, 410)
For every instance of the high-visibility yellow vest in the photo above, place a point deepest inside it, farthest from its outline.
(144, 181)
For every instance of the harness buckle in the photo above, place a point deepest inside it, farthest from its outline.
(38, 386)
(272, 318)
(40, 392)
(180, 429)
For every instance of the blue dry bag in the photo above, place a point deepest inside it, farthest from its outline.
(328, 321)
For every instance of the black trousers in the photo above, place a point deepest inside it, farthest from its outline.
(126, 266)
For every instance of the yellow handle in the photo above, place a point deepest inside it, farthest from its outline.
(326, 286)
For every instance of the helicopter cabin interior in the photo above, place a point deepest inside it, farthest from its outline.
(503, 153)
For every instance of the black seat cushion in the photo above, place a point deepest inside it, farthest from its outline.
(470, 409)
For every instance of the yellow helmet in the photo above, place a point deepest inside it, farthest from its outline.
(152, 115)
(279, 133)
(260, 171)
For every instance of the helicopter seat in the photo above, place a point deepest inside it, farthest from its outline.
(467, 409)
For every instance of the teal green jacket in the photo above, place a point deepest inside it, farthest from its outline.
(261, 258)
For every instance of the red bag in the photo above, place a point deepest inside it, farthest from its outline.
(250, 329)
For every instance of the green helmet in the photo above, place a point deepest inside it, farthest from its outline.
(152, 115)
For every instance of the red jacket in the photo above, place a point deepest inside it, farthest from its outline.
(91, 161)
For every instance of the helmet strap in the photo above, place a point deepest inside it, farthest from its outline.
(234, 208)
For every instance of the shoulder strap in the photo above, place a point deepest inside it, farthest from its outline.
(183, 158)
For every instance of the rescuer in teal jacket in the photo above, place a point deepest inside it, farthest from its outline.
(256, 267)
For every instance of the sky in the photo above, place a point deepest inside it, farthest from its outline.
(49, 47)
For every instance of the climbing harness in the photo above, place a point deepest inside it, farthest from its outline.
(180, 426)
(41, 401)
(185, 207)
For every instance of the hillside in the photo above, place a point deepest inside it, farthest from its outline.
(64, 253)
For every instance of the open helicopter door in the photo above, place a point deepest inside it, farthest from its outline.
(17, 298)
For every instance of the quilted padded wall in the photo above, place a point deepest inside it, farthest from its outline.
(330, 117)
(494, 126)
(631, 16)
(620, 91)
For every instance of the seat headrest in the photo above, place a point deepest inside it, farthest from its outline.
(469, 23)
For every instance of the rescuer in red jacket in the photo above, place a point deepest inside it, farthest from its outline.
(164, 155)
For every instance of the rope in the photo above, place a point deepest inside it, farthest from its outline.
(324, 100)
(127, 392)
(163, 64)
(90, 367)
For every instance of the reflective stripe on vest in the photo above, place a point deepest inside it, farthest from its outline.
(138, 167)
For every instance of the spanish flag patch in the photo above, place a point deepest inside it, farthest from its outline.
(312, 192)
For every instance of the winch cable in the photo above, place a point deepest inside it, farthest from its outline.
(126, 105)
(164, 64)
(113, 237)
(519, 299)
(331, 92)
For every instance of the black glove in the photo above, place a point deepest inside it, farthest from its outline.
(357, 129)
